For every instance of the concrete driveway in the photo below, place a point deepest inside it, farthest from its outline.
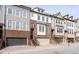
(48, 49)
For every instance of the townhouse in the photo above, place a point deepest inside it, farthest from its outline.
(40, 24)
(21, 25)
(57, 28)
(77, 30)
(14, 25)
(63, 28)
(69, 28)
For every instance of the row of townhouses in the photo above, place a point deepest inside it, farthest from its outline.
(22, 25)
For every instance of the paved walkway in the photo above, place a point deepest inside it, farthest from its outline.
(27, 49)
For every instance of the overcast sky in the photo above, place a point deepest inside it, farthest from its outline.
(72, 10)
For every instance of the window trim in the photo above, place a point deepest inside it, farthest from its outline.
(18, 25)
(20, 13)
(11, 24)
(23, 15)
(1, 8)
(10, 8)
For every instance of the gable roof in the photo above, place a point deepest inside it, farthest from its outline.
(58, 15)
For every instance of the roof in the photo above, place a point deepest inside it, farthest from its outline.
(22, 6)
(38, 8)
(47, 14)
(57, 15)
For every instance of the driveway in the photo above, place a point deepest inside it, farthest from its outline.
(48, 49)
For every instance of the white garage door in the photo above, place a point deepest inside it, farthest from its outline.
(43, 41)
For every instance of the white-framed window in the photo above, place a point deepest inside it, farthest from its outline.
(46, 28)
(9, 24)
(59, 21)
(41, 28)
(46, 19)
(18, 13)
(9, 11)
(24, 15)
(24, 26)
(59, 30)
(39, 17)
(17, 25)
(43, 18)
(0, 7)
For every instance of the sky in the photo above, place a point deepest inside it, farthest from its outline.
(72, 10)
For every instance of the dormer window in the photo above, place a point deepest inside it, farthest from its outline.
(38, 9)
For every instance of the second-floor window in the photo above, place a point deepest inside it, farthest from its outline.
(24, 26)
(46, 28)
(9, 11)
(59, 30)
(41, 28)
(9, 24)
(58, 21)
(17, 25)
(43, 18)
(70, 24)
(70, 31)
(46, 19)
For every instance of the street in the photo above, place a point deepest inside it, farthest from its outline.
(72, 49)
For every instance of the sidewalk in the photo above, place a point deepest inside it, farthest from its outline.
(23, 49)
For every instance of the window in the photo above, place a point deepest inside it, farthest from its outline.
(72, 25)
(56, 21)
(47, 19)
(24, 26)
(18, 13)
(39, 28)
(59, 21)
(72, 32)
(42, 28)
(9, 24)
(46, 29)
(38, 17)
(59, 30)
(42, 18)
(0, 7)
(24, 15)
(9, 11)
(17, 25)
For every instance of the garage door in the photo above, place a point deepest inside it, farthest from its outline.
(14, 42)
(43, 41)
